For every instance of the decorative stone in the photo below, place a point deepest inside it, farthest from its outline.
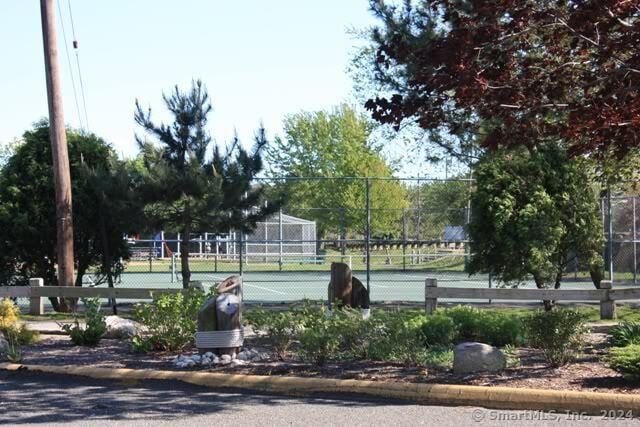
(237, 362)
(469, 357)
(244, 355)
(225, 359)
(119, 328)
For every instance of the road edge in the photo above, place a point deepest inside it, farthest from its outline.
(433, 394)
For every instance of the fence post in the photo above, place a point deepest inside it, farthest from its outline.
(404, 239)
(635, 259)
(367, 242)
(430, 303)
(280, 248)
(610, 228)
(240, 251)
(607, 306)
(36, 304)
(342, 235)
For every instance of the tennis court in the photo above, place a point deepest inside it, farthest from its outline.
(286, 286)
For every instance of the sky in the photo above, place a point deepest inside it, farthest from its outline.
(260, 61)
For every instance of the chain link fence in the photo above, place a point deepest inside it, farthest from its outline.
(394, 233)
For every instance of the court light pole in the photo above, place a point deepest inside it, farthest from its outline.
(57, 133)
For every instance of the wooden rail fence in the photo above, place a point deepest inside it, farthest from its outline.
(36, 292)
(606, 295)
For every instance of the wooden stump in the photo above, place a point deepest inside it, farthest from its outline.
(340, 287)
(223, 312)
(346, 288)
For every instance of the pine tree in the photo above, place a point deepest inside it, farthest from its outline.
(187, 190)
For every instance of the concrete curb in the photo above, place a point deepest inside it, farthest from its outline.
(434, 394)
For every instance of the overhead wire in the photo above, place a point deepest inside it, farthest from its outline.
(73, 80)
(75, 47)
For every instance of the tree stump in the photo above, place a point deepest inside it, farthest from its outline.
(222, 313)
(340, 287)
(346, 288)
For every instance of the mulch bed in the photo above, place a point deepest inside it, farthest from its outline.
(587, 373)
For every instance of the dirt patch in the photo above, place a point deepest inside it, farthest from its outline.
(587, 373)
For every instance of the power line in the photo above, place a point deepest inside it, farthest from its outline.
(75, 47)
(73, 80)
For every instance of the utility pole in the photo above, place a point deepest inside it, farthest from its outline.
(61, 173)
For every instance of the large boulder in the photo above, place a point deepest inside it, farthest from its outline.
(118, 327)
(469, 357)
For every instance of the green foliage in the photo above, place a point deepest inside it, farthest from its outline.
(171, 321)
(625, 333)
(184, 188)
(625, 360)
(27, 208)
(9, 313)
(532, 209)
(490, 327)
(21, 335)
(511, 355)
(336, 144)
(95, 326)
(559, 334)
(439, 330)
(279, 327)
(320, 341)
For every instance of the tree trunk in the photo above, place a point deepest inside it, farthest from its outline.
(340, 287)
(548, 304)
(184, 256)
(106, 259)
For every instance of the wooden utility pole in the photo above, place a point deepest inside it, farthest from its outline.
(61, 173)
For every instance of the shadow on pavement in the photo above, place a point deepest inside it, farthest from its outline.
(33, 398)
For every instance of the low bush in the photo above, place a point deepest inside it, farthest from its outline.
(171, 321)
(558, 333)
(21, 335)
(439, 330)
(9, 313)
(485, 326)
(9, 327)
(467, 320)
(500, 329)
(625, 360)
(279, 328)
(625, 333)
(91, 333)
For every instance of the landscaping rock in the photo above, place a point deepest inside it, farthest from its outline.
(118, 327)
(237, 362)
(469, 357)
(244, 355)
(225, 359)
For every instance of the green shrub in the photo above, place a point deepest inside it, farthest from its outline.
(436, 357)
(22, 335)
(320, 341)
(511, 356)
(171, 321)
(558, 333)
(467, 320)
(9, 313)
(625, 360)
(95, 326)
(625, 333)
(279, 327)
(500, 330)
(399, 339)
(439, 329)
(485, 326)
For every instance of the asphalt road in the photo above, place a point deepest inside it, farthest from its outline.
(42, 399)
